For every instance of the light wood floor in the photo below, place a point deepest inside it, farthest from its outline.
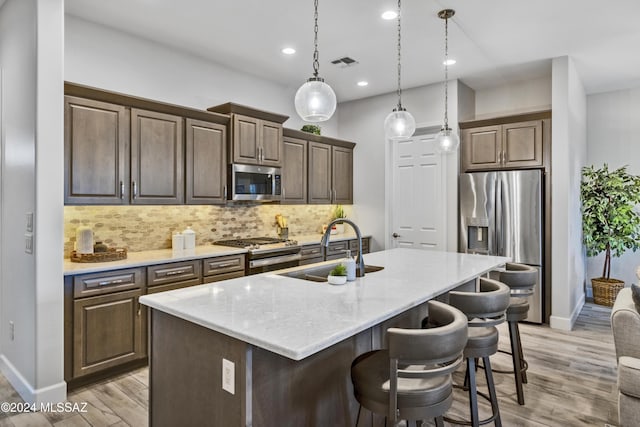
(572, 382)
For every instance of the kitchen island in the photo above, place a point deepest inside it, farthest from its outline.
(282, 346)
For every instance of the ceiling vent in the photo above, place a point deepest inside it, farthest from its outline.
(344, 62)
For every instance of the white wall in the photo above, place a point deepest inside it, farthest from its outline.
(31, 42)
(612, 132)
(514, 98)
(105, 58)
(362, 121)
(569, 153)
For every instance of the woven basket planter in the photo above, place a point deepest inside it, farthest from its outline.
(605, 291)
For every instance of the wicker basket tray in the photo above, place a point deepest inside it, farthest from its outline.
(605, 291)
(112, 254)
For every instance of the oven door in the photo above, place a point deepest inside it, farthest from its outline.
(249, 182)
(272, 263)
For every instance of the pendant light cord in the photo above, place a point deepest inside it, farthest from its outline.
(316, 55)
(446, 73)
(399, 91)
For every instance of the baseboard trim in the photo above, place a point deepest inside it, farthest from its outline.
(52, 394)
(564, 323)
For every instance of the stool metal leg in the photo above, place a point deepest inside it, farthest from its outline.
(517, 360)
(473, 397)
(524, 371)
(358, 417)
(439, 421)
(488, 374)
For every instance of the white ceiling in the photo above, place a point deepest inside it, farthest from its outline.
(494, 41)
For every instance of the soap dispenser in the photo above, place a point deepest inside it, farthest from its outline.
(350, 264)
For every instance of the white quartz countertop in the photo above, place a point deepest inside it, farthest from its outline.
(297, 318)
(161, 256)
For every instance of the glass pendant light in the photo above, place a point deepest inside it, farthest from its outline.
(399, 124)
(447, 141)
(315, 101)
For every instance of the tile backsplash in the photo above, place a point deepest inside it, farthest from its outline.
(141, 228)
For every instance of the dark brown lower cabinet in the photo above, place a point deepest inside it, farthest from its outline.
(337, 250)
(108, 331)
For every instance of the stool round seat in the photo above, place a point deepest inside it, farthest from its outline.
(482, 342)
(371, 375)
(412, 379)
(484, 310)
(521, 279)
(518, 310)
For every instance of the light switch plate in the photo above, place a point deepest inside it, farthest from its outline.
(228, 376)
(28, 243)
(29, 227)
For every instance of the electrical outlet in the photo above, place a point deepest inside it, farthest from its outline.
(12, 330)
(228, 376)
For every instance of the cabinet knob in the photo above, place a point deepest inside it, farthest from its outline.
(395, 235)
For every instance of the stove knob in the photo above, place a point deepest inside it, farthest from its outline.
(294, 243)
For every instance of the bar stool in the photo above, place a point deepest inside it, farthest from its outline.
(412, 379)
(484, 310)
(522, 280)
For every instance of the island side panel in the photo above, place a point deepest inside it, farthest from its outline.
(185, 375)
(315, 391)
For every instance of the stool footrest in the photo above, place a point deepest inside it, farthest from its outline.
(467, 422)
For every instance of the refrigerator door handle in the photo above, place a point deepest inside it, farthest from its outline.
(499, 218)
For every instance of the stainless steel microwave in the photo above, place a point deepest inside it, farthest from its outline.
(252, 182)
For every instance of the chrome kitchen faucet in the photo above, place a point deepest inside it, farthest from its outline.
(325, 241)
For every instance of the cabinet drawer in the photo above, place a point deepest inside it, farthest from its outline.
(222, 276)
(310, 251)
(223, 264)
(353, 245)
(337, 250)
(172, 286)
(311, 260)
(174, 272)
(87, 285)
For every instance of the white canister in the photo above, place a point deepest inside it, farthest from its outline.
(84, 240)
(189, 238)
(177, 242)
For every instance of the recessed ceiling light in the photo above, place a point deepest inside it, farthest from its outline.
(390, 14)
(449, 62)
(363, 83)
(288, 51)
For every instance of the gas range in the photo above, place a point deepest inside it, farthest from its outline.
(257, 244)
(266, 253)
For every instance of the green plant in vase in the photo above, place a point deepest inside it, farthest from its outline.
(610, 222)
(338, 212)
(314, 129)
(338, 276)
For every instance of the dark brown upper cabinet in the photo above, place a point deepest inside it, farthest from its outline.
(96, 144)
(294, 171)
(505, 142)
(121, 149)
(206, 153)
(255, 136)
(157, 158)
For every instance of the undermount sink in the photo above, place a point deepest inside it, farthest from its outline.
(320, 273)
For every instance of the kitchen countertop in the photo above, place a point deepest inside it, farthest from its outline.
(161, 256)
(297, 318)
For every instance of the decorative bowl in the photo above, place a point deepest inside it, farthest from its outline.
(336, 280)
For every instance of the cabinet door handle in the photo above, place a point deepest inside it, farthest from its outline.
(135, 189)
(121, 190)
(283, 193)
(224, 192)
(139, 308)
(176, 272)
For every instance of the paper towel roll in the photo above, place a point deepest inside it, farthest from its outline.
(84, 240)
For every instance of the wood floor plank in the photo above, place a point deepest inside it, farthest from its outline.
(29, 419)
(75, 420)
(126, 408)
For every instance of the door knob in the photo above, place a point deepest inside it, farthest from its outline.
(395, 235)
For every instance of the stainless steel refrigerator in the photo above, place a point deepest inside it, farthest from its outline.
(502, 213)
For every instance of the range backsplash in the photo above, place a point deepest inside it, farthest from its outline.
(141, 228)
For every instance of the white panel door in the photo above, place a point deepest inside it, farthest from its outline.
(418, 207)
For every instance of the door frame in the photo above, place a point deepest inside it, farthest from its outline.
(390, 151)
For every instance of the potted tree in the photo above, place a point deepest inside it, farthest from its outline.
(610, 223)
